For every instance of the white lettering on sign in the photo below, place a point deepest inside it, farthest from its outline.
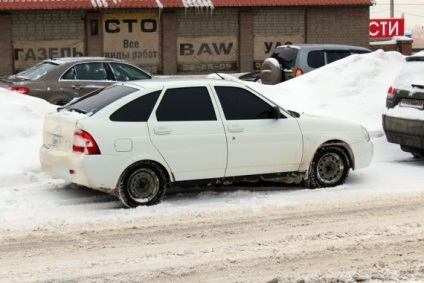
(385, 28)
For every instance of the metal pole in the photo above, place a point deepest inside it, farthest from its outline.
(392, 8)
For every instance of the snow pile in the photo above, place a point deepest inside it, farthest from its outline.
(353, 89)
(21, 120)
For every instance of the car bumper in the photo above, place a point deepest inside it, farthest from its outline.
(363, 153)
(405, 132)
(98, 172)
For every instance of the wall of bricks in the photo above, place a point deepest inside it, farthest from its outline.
(280, 21)
(194, 22)
(339, 25)
(402, 46)
(6, 54)
(48, 25)
(342, 25)
(94, 39)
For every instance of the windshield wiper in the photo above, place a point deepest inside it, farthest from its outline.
(418, 86)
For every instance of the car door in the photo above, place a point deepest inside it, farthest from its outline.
(187, 132)
(258, 143)
(84, 78)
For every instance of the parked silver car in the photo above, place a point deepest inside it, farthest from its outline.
(289, 61)
(403, 122)
(59, 80)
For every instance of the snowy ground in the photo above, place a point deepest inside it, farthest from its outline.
(369, 229)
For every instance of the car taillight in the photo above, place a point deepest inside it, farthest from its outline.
(391, 92)
(298, 72)
(20, 89)
(84, 143)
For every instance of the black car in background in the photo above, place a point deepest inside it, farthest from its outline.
(59, 80)
(403, 123)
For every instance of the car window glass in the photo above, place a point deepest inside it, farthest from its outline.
(124, 72)
(37, 71)
(94, 71)
(316, 58)
(240, 104)
(99, 99)
(286, 56)
(336, 55)
(138, 110)
(186, 104)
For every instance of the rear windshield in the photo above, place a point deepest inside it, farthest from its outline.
(93, 102)
(410, 75)
(286, 56)
(37, 71)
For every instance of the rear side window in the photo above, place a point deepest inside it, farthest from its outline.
(240, 104)
(336, 55)
(99, 99)
(186, 104)
(316, 59)
(37, 71)
(138, 110)
(124, 72)
(94, 71)
(286, 56)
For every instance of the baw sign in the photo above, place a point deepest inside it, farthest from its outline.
(386, 28)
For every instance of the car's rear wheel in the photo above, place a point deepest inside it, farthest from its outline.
(143, 183)
(330, 167)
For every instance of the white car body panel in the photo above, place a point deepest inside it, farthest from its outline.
(263, 146)
(192, 150)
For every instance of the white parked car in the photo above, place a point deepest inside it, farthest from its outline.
(135, 139)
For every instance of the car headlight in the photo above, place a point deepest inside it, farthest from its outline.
(365, 133)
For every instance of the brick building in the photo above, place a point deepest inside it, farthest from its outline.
(174, 36)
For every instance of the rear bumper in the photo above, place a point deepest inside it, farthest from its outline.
(407, 133)
(99, 172)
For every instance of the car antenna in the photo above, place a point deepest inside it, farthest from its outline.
(216, 73)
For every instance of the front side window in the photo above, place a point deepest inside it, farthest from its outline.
(124, 72)
(240, 104)
(138, 110)
(186, 104)
(94, 71)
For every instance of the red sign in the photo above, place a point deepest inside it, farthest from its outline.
(387, 28)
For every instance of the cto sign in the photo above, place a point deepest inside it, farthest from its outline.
(386, 28)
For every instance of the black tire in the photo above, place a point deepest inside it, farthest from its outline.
(143, 183)
(329, 168)
(417, 155)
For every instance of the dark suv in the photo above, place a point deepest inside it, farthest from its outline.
(289, 61)
(59, 80)
(403, 122)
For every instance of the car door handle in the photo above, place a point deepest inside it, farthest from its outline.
(162, 130)
(77, 87)
(235, 128)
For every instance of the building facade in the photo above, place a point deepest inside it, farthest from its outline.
(174, 36)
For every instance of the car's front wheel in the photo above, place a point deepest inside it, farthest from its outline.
(330, 167)
(143, 183)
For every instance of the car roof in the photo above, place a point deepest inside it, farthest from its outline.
(64, 60)
(419, 56)
(179, 82)
(312, 46)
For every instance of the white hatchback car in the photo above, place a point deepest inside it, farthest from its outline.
(135, 139)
